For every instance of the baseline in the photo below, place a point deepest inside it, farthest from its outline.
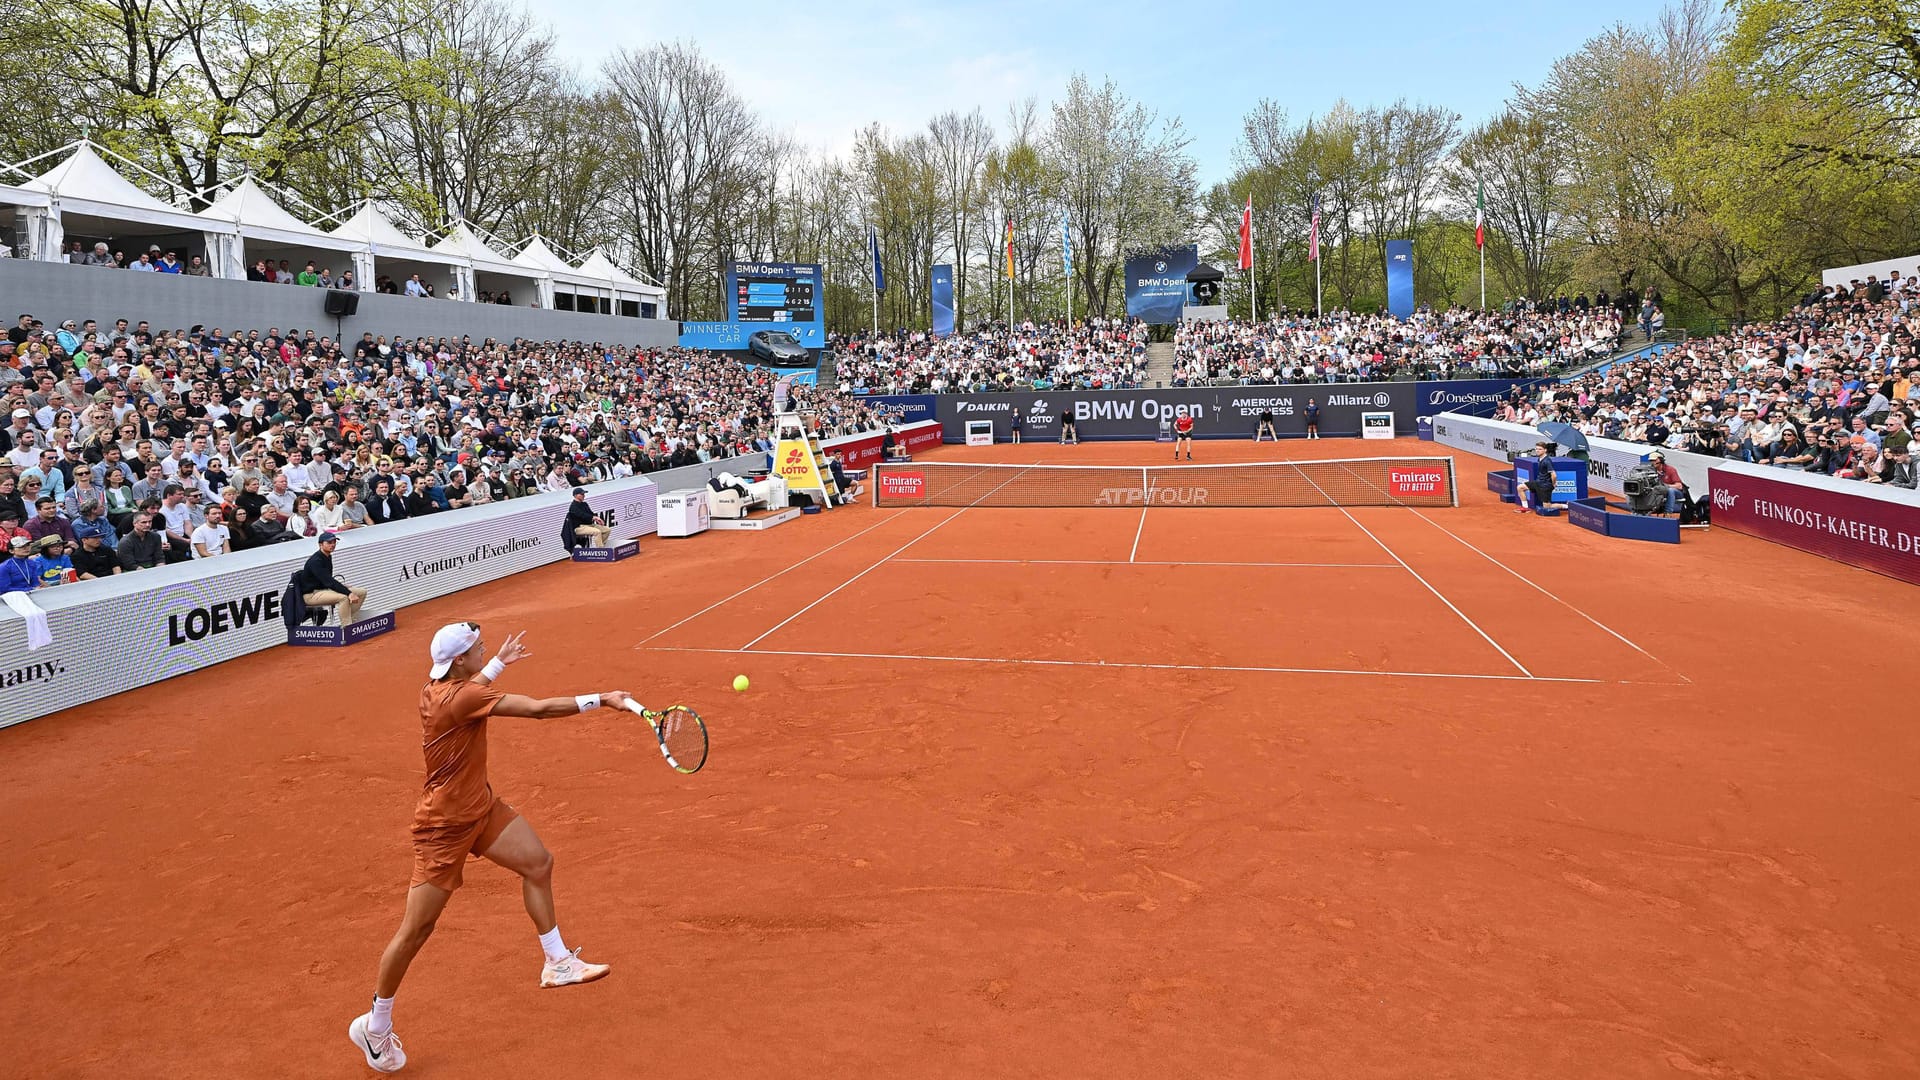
(1122, 664)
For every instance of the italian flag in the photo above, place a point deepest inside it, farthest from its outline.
(1480, 216)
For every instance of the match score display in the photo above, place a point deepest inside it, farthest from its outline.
(773, 292)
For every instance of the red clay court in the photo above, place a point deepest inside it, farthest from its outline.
(1375, 792)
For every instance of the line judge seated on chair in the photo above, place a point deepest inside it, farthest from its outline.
(581, 527)
(319, 588)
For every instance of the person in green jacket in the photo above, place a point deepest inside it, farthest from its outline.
(309, 276)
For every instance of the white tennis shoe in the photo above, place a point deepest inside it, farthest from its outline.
(570, 969)
(382, 1052)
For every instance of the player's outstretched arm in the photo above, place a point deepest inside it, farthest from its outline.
(550, 708)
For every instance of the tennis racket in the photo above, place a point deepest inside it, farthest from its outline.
(683, 735)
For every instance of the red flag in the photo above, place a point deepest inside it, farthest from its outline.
(1313, 233)
(1246, 235)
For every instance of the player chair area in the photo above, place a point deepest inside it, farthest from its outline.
(1048, 767)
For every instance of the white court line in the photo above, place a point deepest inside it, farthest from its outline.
(1622, 638)
(1153, 667)
(853, 579)
(762, 581)
(1151, 562)
(1416, 576)
(1136, 535)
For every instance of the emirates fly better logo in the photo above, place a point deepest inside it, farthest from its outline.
(903, 485)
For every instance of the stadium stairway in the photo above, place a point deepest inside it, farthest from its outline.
(1159, 364)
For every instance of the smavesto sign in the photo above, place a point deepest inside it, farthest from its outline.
(1226, 412)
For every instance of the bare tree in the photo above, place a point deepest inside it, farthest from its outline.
(961, 145)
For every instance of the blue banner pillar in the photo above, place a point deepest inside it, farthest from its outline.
(942, 300)
(1400, 278)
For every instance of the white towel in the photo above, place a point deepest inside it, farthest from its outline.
(38, 636)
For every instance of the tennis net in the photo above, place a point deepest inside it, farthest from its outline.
(1410, 481)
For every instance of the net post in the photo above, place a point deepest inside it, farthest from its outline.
(875, 477)
(1146, 487)
(1453, 480)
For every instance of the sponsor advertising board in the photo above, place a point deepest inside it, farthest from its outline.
(124, 632)
(1471, 397)
(1219, 412)
(1607, 461)
(860, 451)
(1864, 525)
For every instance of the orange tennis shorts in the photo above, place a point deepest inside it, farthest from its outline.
(440, 853)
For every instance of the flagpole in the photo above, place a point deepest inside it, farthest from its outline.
(1253, 259)
(1483, 277)
(1317, 303)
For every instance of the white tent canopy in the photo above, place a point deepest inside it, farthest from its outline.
(621, 284)
(380, 244)
(85, 195)
(266, 230)
(486, 268)
(36, 229)
(86, 184)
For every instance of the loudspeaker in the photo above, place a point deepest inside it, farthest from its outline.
(341, 302)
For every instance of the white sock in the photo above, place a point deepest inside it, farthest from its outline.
(382, 1021)
(551, 944)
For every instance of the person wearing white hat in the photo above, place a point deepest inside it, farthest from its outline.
(459, 814)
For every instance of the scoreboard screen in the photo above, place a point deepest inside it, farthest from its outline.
(775, 292)
(759, 296)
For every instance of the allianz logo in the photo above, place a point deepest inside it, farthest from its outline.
(1380, 400)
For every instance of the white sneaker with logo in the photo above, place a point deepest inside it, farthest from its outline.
(382, 1052)
(570, 969)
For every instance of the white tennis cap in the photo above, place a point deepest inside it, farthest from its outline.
(450, 643)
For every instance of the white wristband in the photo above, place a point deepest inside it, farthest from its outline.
(588, 701)
(494, 670)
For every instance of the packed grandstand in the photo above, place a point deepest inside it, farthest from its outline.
(280, 436)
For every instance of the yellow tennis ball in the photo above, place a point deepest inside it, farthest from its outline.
(740, 682)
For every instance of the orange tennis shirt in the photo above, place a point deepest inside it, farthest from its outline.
(453, 721)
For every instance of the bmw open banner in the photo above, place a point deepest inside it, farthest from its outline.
(1157, 283)
(1219, 412)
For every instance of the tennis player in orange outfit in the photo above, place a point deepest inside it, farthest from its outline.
(459, 814)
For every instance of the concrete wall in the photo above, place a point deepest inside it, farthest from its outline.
(56, 291)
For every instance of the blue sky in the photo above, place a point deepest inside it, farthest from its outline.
(820, 71)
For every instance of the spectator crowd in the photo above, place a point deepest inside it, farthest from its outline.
(1098, 354)
(1458, 343)
(126, 448)
(1833, 388)
(313, 275)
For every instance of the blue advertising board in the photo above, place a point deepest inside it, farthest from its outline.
(912, 408)
(1157, 283)
(765, 296)
(1400, 278)
(1569, 476)
(1474, 397)
(942, 300)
